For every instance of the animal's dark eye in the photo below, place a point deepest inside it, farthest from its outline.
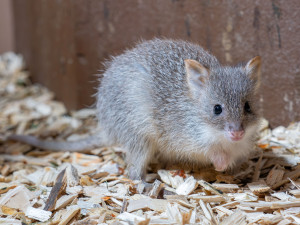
(247, 107)
(218, 109)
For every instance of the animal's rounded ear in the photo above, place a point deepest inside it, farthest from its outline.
(253, 69)
(197, 74)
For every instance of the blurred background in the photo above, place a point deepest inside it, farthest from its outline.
(64, 42)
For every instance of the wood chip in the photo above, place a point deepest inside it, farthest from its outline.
(211, 188)
(271, 205)
(157, 186)
(226, 187)
(168, 178)
(129, 217)
(69, 214)
(237, 218)
(57, 189)
(187, 187)
(17, 198)
(258, 187)
(210, 198)
(38, 214)
(72, 176)
(275, 176)
(64, 200)
(158, 205)
(10, 221)
(224, 210)
(296, 193)
(205, 211)
(258, 167)
(291, 175)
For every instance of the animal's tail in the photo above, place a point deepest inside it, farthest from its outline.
(73, 146)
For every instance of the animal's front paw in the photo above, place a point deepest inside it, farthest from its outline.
(220, 160)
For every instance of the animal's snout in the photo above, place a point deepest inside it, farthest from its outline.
(235, 131)
(236, 135)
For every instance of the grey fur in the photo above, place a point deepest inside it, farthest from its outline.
(146, 104)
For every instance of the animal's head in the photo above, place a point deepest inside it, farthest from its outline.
(227, 96)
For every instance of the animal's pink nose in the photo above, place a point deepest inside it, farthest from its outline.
(236, 135)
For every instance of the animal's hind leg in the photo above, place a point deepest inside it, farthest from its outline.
(138, 157)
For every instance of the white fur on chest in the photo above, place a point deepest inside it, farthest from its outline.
(216, 143)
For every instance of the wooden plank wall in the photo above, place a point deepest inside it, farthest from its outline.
(6, 26)
(64, 42)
